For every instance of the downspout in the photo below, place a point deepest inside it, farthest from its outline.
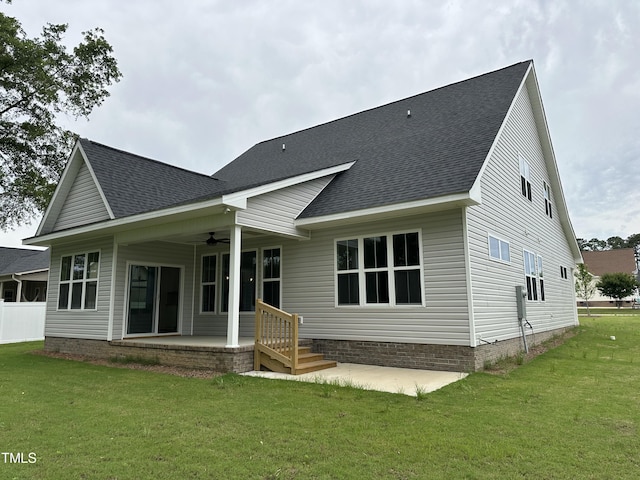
(193, 288)
(19, 294)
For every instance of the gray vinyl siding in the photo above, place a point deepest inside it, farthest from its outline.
(308, 287)
(87, 324)
(309, 284)
(155, 253)
(276, 211)
(507, 214)
(83, 204)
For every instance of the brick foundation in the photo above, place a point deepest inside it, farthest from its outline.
(453, 358)
(222, 359)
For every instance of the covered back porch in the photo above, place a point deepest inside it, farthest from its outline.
(275, 346)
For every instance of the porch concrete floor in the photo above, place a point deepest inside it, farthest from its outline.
(406, 381)
(194, 341)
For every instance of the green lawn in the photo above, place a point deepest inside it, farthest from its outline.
(598, 311)
(573, 412)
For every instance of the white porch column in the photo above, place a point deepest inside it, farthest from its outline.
(233, 318)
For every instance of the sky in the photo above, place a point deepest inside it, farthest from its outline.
(205, 80)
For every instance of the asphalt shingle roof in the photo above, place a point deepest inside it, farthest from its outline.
(22, 260)
(438, 150)
(134, 184)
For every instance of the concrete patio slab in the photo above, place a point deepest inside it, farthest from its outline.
(405, 381)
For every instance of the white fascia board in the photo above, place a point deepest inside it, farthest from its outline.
(95, 180)
(233, 198)
(32, 271)
(119, 224)
(385, 211)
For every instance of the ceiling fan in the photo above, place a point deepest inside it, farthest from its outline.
(211, 241)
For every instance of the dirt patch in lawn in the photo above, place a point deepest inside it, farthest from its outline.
(508, 364)
(132, 365)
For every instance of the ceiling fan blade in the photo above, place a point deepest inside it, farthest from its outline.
(211, 241)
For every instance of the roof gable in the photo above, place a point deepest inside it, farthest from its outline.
(78, 198)
(133, 184)
(429, 145)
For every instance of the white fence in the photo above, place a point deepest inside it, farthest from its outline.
(21, 322)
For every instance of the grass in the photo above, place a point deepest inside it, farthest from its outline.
(573, 412)
(599, 311)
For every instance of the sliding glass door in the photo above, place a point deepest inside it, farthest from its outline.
(154, 300)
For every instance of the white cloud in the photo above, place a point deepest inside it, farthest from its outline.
(205, 80)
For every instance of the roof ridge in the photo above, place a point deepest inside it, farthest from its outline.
(395, 101)
(102, 145)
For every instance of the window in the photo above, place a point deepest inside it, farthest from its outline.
(534, 276)
(376, 273)
(271, 276)
(209, 270)
(525, 178)
(547, 200)
(406, 257)
(540, 278)
(347, 264)
(384, 269)
(563, 273)
(499, 249)
(247, 282)
(79, 281)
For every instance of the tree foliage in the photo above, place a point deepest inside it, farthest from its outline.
(611, 243)
(617, 285)
(40, 79)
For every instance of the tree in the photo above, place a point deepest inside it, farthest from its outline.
(585, 288)
(616, 242)
(40, 79)
(617, 286)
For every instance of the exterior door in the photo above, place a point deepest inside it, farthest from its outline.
(154, 300)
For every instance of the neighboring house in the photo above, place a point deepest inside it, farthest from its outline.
(23, 274)
(399, 234)
(619, 260)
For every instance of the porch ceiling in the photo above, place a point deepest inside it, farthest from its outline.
(200, 238)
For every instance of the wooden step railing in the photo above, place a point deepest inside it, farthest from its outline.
(276, 338)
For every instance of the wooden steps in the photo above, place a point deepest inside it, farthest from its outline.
(308, 362)
(277, 347)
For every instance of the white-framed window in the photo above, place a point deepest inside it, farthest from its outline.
(376, 271)
(547, 200)
(541, 278)
(499, 249)
(248, 261)
(525, 177)
(379, 270)
(208, 281)
(534, 276)
(563, 273)
(78, 287)
(348, 284)
(271, 276)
